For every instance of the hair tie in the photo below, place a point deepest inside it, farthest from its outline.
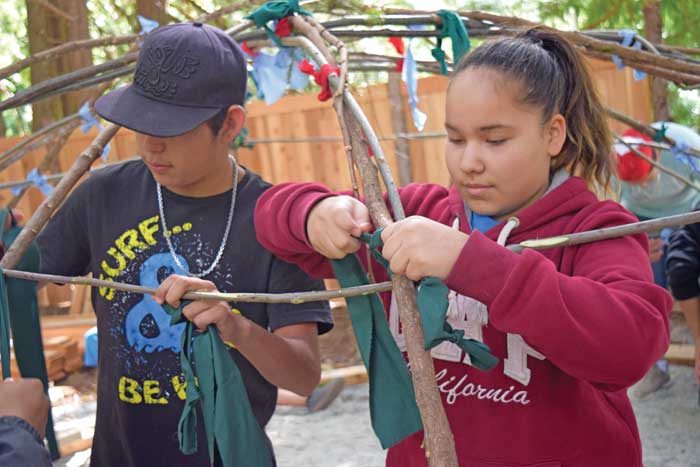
(531, 34)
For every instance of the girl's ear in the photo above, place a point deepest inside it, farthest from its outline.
(555, 133)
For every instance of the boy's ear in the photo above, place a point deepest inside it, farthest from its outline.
(556, 135)
(233, 123)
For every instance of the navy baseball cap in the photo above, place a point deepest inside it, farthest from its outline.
(185, 74)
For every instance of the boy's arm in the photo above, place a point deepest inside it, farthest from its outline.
(287, 357)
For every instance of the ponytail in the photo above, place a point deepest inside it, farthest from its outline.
(554, 78)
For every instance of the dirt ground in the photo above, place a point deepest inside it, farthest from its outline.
(669, 421)
(341, 436)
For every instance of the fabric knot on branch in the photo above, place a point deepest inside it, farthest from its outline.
(89, 121)
(660, 135)
(398, 44)
(452, 27)
(628, 40)
(320, 77)
(433, 304)
(276, 10)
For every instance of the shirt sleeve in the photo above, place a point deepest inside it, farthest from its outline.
(63, 243)
(20, 444)
(683, 262)
(287, 277)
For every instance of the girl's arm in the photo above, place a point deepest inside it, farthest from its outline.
(282, 211)
(280, 225)
(606, 323)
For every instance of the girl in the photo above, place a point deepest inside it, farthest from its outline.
(573, 327)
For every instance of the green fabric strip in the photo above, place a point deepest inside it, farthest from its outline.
(433, 303)
(660, 134)
(4, 329)
(272, 10)
(452, 27)
(214, 383)
(392, 402)
(21, 313)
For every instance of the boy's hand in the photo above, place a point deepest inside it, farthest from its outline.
(417, 247)
(201, 313)
(333, 223)
(19, 218)
(25, 398)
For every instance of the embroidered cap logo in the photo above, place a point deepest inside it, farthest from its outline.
(159, 64)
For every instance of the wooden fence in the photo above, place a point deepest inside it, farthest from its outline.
(304, 117)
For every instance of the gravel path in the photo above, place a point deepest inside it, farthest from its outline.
(341, 436)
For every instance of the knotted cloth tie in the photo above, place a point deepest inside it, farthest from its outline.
(276, 10)
(320, 77)
(433, 303)
(452, 27)
(393, 409)
(213, 380)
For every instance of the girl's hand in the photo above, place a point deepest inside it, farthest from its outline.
(201, 313)
(417, 247)
(333, 223)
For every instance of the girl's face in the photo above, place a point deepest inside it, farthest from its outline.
(498, 151)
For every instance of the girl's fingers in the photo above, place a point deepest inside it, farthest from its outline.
(391, 246)
(398, 264)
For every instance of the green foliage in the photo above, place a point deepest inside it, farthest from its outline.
(685, 106)
(679, 18)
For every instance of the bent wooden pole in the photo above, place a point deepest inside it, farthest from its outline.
(438, 441)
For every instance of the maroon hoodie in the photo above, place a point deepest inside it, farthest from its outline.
(573, 327)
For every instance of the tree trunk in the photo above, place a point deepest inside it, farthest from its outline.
(72, 31)
(153, 9)
(653, 30)
(41, 36)
(50, 23)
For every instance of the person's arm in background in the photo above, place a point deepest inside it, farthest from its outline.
(683, 269)
(24, 409)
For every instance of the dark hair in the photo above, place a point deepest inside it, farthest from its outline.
(553, 77)
(217, 121)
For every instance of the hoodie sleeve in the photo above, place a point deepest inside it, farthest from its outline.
(605, 323)
(281, 213)
(280, 225)
(21, 444)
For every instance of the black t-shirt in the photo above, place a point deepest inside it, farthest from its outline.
(110, 226)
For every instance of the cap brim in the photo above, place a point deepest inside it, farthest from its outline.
(127, 108)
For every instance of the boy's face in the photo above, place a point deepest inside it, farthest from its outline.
(183, 164)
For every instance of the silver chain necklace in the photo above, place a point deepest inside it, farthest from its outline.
(222, 247)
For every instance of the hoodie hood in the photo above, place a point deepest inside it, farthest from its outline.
(565, 198)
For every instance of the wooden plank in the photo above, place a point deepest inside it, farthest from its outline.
(69, 449)
(352, 375)
(681, 354)
(302, 167)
